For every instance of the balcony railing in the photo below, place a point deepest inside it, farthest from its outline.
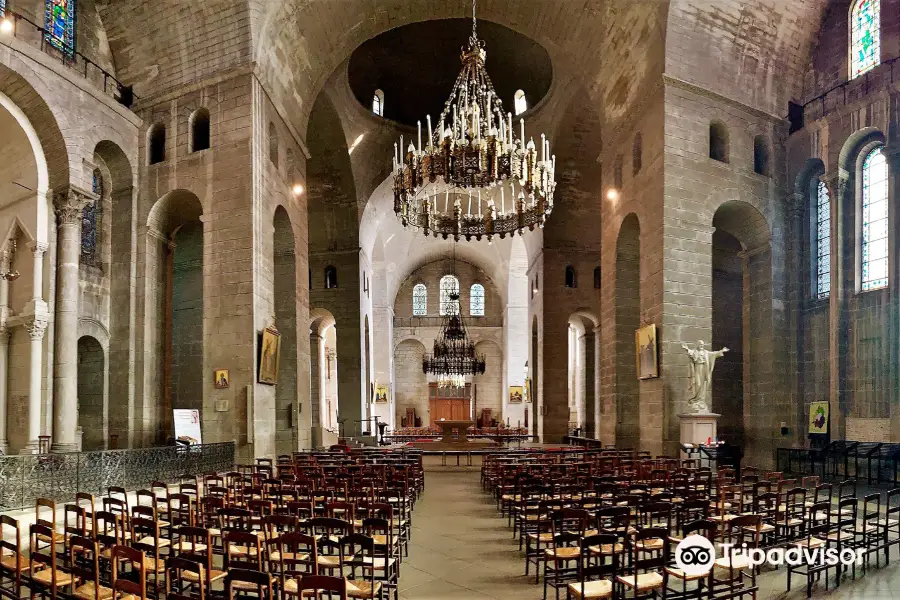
(23, 478)
(439, 321)
(26, 30)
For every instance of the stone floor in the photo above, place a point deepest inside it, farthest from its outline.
(461, 549)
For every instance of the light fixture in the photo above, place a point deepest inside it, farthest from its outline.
(477, 175)
(612, 194)
(453, 355)
(6, 25)
(297, 189)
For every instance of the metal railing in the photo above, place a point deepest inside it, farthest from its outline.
(23, 478)
(439, 321)
(26, 30)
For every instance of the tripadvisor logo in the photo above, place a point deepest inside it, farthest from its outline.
(695, 555)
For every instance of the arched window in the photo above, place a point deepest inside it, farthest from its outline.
(157, 144)
(521, 104)
(200, 130)
(821, 211)
(760, 156)
(59, 22)
(874, 218)
(597, 278)
(449, 295)
(273, 144)
(571, 280)
(378, 103)
(90, 221)
(420, 300)
(476, 300)
(637, 150)
(865, 36)
(718, 141)
(330, 277)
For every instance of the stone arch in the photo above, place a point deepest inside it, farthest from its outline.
(583, 372)
(627, 321)
(174, 259)
(410, 382)
(853, 147)
(93, 402)
(324, 385)
(284, 287)
(44, 133)
(117, 250)
(489, 392)
(742, 284)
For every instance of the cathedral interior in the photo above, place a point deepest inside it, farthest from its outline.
(360, 254)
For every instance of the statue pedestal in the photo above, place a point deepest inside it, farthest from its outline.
(696, 428)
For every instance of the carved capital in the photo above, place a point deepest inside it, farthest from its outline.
(69, 203)
(38, 249)
(35, 328)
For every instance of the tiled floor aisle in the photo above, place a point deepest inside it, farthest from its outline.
(461, 549)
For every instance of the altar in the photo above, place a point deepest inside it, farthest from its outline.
(454, 431)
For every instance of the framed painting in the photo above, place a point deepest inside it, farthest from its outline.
(516, 394)
(646, 355)
(818, 418)
(222, 379)
(382, 393)
(269, 353)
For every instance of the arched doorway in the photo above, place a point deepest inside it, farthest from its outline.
(175, 259)
(323, 378)
(92, 408)
(742, 285)
(628, 319)
(410, 384)
(285, 300)
(582, 374)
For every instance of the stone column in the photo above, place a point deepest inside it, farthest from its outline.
(69, 205)
(5, 266)
(35, 327)
(316, 393)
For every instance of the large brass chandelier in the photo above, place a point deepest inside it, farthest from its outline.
(453, 355)
(475, 177)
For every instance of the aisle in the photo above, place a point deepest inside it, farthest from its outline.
(461, 549)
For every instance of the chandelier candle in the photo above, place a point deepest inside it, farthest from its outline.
(478, 153)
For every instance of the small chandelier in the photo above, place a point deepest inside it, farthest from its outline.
(453, 355)
(474, 177)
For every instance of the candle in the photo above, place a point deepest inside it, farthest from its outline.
(522, 132)
(420, 136)
(509, 128)
(395, 155)
(429, 132)
(401, 148)
(543, 148)
(442, 130)
(447, 201)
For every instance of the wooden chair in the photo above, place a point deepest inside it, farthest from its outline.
(246, 581)
(46, 576)
(184, 580)
(646, 573)
(733, 574)
(195, 544)
(135, 587)
(50, 505)
(704, 581)
(146, 538)
(598, 563)
(357, 557)
(322, 587)
(13, 564)
(561, 558)
(817, 532)
(84, 566)
(295, 556)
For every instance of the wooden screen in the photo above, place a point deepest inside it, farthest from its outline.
(449, 403)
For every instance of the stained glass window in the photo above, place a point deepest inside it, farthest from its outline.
(90, 220)
(449, 287)
(420, 300)
(2, 7)
(874, 221)
(476, 300)
(60, 25)
(822, 223)
(865, 37)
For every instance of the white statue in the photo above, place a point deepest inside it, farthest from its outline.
(703, 362)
